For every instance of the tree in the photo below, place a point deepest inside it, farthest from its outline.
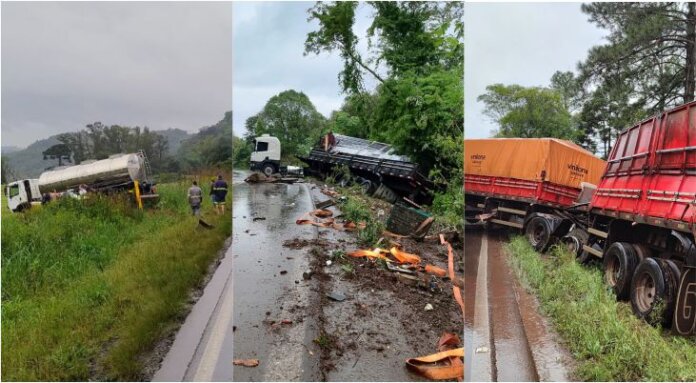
(60, 152)
(652, 48)
(291, 117)
(528, 112)
(410, 36)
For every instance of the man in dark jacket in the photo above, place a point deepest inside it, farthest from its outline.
(219, 194)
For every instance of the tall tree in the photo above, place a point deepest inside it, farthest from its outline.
(405, 36)
(291, 117)
(651, 46)
(528, 112)
(60, 152)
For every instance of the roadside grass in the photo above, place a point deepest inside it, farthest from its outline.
(89, 287)
(607, 340)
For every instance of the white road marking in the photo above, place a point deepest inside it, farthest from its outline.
(211, 354)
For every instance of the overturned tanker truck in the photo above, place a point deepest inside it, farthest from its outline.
(119, 172)
(373, 165)
(639, 221)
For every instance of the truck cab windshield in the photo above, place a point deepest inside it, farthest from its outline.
(261, 146)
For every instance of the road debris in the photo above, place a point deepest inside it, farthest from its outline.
(259, 219)
(246, 362)
(325, 204)
(440, 272)
(443, 365)
(205, 224)
(336, 296)
(429, 307)
(450, 266)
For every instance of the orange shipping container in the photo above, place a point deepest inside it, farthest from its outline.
(534, 159)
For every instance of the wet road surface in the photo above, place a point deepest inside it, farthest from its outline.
(258, 284)
(505, 337)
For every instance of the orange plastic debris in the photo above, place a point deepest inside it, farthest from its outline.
(376, 253)
(428, 366)
(450, 267)
(321, 213)
(404, 257)
(431, 269)
(246, 362)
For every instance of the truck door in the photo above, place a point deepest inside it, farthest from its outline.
(15, 196)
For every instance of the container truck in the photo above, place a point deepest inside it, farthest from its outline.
(118, 172)
(373, 165)
(639, 220)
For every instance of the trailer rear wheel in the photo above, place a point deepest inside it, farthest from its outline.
(620, 262)
(538, 232)
(650, 295)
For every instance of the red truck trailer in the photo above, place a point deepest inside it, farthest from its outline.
(639, 222)
(642, 219)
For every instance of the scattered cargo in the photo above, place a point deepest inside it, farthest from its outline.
(640, 221)
(116, 173)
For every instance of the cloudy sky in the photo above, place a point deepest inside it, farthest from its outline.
(520, 44)
(268, 58)
(149, 64)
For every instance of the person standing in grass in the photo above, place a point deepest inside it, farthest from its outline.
(212, 188)
(195, 197)
(219, 194)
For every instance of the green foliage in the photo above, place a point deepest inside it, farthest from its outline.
(410, 37)
(607, 340)
(528, 112)
(355, 209)
(212, 146)
(647, 65)
(292, 118)
(241, 151)
(128, 271)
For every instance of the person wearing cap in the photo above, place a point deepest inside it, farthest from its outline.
(219, 194)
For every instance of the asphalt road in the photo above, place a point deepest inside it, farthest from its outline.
(258, 284)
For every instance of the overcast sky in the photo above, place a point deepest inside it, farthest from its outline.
(161, 65)
(520, 44)
(268, 58)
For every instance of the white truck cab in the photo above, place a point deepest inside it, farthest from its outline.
(22, 194)
(266, 154)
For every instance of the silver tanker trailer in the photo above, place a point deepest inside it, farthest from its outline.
(118, 172)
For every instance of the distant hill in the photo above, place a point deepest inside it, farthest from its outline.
(29, 162)
(211, 146)
(6, 149)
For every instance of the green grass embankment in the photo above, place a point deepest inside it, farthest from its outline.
(89, 287)
(607, 340)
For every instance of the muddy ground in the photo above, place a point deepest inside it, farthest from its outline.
(383, 319)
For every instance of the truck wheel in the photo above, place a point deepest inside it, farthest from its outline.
(367, 186)
(672, 274)
(649, 293)
(574, 241)
(268, 169)
(538, 232)
(620, 262)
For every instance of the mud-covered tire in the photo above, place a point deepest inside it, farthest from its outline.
(672, 274)
(620, 262)
(367, 187)
(649, 292)
(538, 233)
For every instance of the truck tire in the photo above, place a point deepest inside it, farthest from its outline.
(650, 298)
(574, 241)
(538, 233)
(268, 169)
(367, 186)
(672, 273)
(620, 262)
